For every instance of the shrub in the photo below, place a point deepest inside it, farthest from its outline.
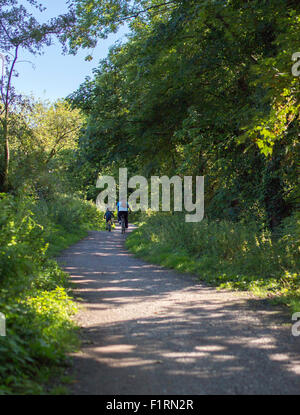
(34, 290)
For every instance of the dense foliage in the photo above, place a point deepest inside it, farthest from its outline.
(203, 88)
(41, 213)
(34, 291)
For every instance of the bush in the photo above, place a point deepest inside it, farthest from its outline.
(39, 333)
(66, 219)
(34, 291)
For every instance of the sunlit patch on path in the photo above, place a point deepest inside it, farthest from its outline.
(148, 330)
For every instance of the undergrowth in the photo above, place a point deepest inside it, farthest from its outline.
(226, 254)
(35, 294)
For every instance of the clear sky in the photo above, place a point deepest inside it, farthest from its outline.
(56, 75)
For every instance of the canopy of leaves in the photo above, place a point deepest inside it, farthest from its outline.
(201, 87)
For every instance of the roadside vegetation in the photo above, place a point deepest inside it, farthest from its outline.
(42, 212)
(35, 294)
(240, 256)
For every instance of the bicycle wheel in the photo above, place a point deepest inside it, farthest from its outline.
(123, 225)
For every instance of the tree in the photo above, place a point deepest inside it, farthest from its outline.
(43, 141)
(202, 88)
(55, 128)
(96, 19)
(20, 30)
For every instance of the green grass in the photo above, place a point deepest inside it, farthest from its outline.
(40, 333)
(226, 255)
(35, 294)
(61, 241)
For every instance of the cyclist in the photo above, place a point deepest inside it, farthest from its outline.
(123, 208)
(108, 216)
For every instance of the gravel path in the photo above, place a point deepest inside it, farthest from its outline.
(147, 330)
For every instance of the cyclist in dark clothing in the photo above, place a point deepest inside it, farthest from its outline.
(108, 216)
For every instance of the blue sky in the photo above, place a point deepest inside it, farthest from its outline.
(56, 75)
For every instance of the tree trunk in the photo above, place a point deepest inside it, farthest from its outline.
(6, 156)
(275, 204)
(5, 159)
(5, 143)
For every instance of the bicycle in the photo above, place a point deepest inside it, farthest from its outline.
(109, 225)
(123, 225)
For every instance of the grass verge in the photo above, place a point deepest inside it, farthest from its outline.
(35, 294)
(226, 255)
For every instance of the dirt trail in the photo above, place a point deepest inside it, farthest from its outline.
(148, 330)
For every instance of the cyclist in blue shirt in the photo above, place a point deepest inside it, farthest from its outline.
(123, 208)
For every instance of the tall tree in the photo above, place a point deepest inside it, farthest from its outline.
(205, 87)
(96, 19)
(20, 30)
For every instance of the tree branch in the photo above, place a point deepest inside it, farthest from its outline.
(137, 13)
(60, 138)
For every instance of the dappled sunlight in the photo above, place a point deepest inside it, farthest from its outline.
(129, 362)
(279, 357)
(143, 322)
(117, 348)
(176, 349)
(210, 348)
(262, 343)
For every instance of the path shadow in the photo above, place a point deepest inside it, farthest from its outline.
(149, 330)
